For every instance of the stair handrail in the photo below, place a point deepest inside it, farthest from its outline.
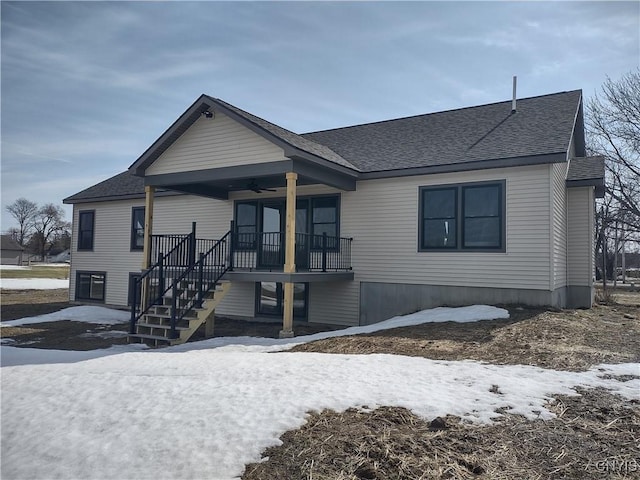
(158, 267)
(220, 250)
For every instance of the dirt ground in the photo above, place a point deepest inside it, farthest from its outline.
(565, 340)
(71, 335)
(595, 435)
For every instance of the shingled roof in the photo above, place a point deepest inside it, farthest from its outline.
(119, 187)
(541, 126)
(468, 138)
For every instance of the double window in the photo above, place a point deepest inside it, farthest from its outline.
(463, 217)
(137, 228)
(91, 286)
(85, 229)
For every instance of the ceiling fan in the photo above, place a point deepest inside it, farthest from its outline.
(253, 186)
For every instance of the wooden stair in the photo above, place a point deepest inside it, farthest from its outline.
(154, 328)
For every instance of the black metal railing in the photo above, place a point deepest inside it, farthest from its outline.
(175, 269)
(313, 253)
(191, 266)
(189, 287)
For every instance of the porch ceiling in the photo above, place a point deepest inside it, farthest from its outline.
(218, 182)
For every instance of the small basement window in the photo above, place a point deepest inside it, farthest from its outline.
(91, 286)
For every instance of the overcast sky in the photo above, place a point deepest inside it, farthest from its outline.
(87, 87)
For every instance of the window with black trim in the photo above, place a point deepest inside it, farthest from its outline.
(324, 220)
(463, 217)
(86, 220)
(137, 228)
(246, 225)
(91, 286)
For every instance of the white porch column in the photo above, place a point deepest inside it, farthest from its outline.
(290, 255)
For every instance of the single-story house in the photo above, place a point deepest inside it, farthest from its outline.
(11, 251)
(488, 204)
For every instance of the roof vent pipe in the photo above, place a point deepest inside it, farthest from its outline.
(513, 102)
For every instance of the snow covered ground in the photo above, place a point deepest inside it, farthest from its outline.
(26, 267)
(33, 283)
(197, 411)
(86, 314)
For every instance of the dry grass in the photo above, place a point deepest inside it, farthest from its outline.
(38, 272)
(593, 435)
(28, 303)
(567, 340)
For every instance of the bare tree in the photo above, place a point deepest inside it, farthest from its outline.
(613, 128)
(613, 125)
(24, 212)
(49, 222)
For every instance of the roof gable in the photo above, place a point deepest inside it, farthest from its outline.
(294, 145)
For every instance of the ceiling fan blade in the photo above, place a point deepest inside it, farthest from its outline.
(254, 187)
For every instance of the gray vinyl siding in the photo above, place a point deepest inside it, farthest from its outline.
(334, 303)
(112, 235)
(213, 143)
(240, 300)
(111, 249)
(580, 258)
(559, 224)
(382, 217)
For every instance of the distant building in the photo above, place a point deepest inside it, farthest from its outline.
(11, 251)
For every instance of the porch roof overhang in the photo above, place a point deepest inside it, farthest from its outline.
(218, 182)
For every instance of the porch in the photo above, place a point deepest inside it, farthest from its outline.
(260, 256)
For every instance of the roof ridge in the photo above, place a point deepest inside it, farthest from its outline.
(437, 113)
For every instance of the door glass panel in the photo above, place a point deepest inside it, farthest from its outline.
(271, 300)
(299, 299)
(270, 303)
(271, 251)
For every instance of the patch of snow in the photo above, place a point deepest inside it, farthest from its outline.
(216, 410)
(33, 283)
(14, 356)
(106, 334)
(473, 313)
(85, 313)
(14, 267)
(51, 264)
